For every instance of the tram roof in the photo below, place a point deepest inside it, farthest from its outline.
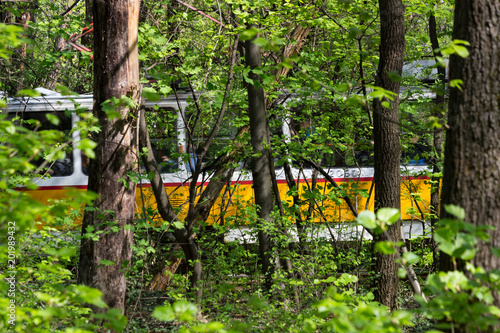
(50, 100)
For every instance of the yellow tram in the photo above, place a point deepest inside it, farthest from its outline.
(353, 180)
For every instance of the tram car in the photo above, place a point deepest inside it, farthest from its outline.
(355, 181)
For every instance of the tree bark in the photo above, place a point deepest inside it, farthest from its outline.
(5, 14)
(387, 148)
(22, 51)
(439, 111)
(261, 170)
(87, 38)
(471, 177)
(116, 74)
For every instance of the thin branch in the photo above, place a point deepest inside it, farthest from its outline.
(215, 129)
(201, 12)
(70, 7)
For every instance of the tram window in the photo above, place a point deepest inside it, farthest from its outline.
(162, 125)
(204, 126)
(39, 121)
(335, 159)
(165, 153)
(365, 158)
(416, 154)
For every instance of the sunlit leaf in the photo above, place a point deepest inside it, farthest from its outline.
(456, 211)
(367, 219)
(388, 215)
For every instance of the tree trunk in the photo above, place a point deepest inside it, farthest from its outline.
(87, 38)
(116, 74)
(261, 170)
(439, 111)
(471, 177)
(5, 13)
(386, 141)
(21, 52)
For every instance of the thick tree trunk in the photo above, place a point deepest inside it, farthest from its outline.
(471, 177)
(116, 74)
(261, 170)
(386, 141)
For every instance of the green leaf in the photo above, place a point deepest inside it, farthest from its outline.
(53, 119)
(385, 247)
(386, 104)
(88, 295)
(249, 33)
(150, 94)
(7, 127)
(105, 262)
(456, 47)
(353, 101)
(164, 313)
(65, 91)
(166, 90)
(381, 93)
(87, 146)
(110, 108)
(410, 258)
(28, 93)
(261, 42)
(257, 303)
(30, 186)
(330, 279)
(457, 83)
(178, 225)
(346, 279)
(440, 62)
(365, 15)
(287, 63)
(388, 215)
(367, 219)
(185, 311)
(456, 211)
(309, 326)
(465, 254)
(65, 252)
(461, 51)
(343, 87)
(444, 236)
